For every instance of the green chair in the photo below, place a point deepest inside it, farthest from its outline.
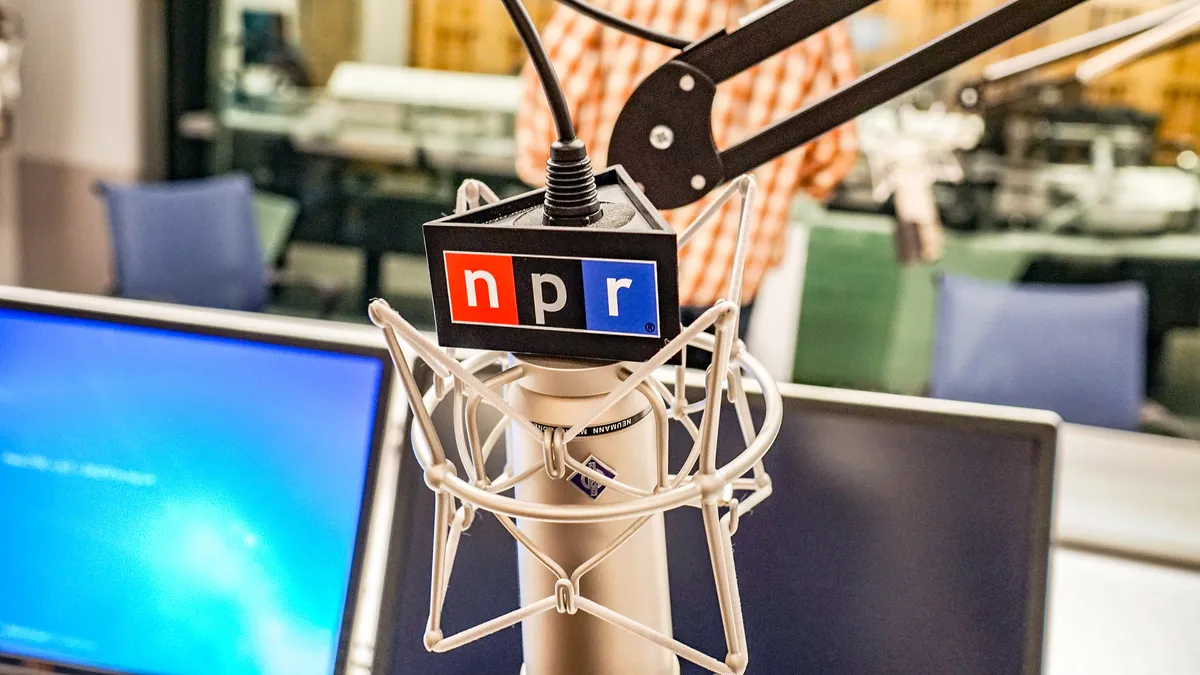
(866, 321)
(1179, 373)
(275, 216)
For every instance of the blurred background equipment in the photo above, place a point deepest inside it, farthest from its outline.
(1054, 155)
(12, 44)
(1069, 183)
(909, 152)
(1063, 153)
(1163, 84)
(473, 36)
(271, 64)
(1060, 163)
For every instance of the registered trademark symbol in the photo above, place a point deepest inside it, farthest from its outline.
(649, 328)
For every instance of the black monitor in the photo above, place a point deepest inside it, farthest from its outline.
(905, 536)
(265, 43)
(182, 491)
(264, 36)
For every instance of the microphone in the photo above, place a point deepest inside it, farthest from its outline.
(908, 152)
(586, 439)
(571, 293)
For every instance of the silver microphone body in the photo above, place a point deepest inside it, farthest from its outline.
(632, 580)
(592, 556)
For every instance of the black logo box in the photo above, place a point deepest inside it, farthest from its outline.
(492, 229)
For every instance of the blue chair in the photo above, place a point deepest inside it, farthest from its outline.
(188, 242)
(1079, 351)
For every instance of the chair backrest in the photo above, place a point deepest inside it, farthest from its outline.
(1178, 382)
(188, 242)
(1076, 350)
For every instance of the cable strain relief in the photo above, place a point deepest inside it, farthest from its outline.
(571, 196)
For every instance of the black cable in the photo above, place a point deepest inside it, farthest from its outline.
(545, 70)
(572, 199)
(613, 21)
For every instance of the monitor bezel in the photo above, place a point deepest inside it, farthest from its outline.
(309, 334)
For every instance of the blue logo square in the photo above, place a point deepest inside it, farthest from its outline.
(588, 486)
(621, 297)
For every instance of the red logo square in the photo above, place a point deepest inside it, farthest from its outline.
(481, 288)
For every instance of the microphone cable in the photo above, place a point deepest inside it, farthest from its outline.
(571, 196)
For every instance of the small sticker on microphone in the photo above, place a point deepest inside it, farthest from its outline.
(589, 486)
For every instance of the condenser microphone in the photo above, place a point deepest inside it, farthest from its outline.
(608, 291)
(586, 476)
(568, 298)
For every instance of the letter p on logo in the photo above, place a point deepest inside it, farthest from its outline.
(481, 288)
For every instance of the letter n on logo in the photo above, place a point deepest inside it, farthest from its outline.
(481, 288)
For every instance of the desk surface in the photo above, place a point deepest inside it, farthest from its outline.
(1132, 494)
(378, 144)
(1092, 248)
(1108, 616)
(1138, 497)
(1175, 246)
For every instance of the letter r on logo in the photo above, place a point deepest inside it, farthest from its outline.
(621, 296)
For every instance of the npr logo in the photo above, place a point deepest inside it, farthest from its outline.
(553, 293)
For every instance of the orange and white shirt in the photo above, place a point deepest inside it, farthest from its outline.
(599, 68)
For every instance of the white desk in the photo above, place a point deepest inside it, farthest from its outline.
(491, 155)
(1108, 616)
(373, 144)
(1131, 494)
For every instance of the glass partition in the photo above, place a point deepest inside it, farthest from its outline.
(341, 106)
(365, 116)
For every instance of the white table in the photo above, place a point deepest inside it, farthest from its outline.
(373, 144)
(1108, 616)
(1124, 594)
(1130, 494)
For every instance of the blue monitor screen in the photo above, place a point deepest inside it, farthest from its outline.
(174, 503)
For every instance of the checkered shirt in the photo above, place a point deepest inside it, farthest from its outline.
(599, 69)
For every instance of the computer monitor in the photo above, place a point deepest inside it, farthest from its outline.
(905, 536)
(182, 491)
(264, 35)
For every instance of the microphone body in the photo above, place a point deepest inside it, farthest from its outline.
(592, 314)
(633, 579)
